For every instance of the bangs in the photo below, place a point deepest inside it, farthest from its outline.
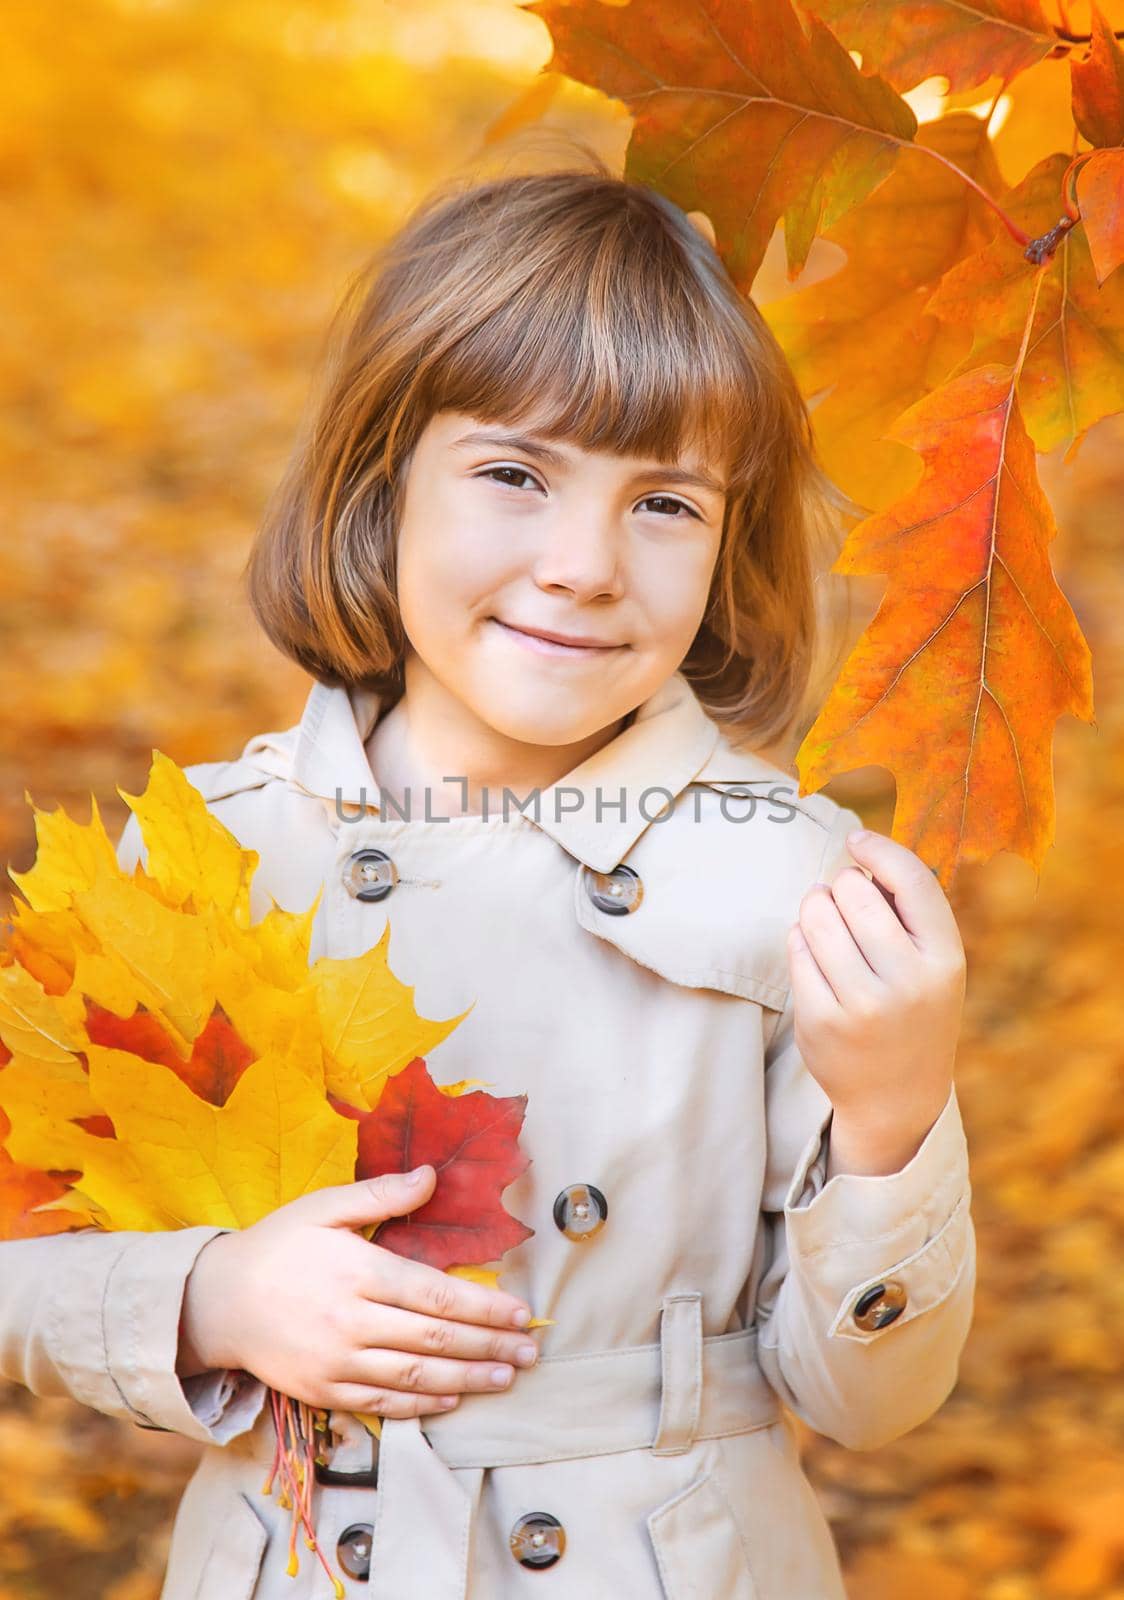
(609, 351)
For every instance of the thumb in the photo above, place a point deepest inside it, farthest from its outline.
(394, 1194)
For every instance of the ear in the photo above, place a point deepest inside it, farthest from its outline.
(700, 220)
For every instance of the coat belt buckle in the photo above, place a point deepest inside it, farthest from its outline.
(361, 1478)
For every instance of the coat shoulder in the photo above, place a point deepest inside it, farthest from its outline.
(723, 872)
(732, 772)
(265, 758)
(744, 814)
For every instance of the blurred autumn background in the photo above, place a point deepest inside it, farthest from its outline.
(185, 187)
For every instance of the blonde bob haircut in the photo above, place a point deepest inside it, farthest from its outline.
(592, 308)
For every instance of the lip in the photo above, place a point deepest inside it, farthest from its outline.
(556, 643)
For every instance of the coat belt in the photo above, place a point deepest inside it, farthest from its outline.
(656, 1396)
(659, 1397)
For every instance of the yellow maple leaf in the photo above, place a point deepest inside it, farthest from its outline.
(190, 854)
(370, 1028)
(67, 859)
(46, 1028)
(147, 953)
(40, 1098)
(178, 1161)
(43, 944)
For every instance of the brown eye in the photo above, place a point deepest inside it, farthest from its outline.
(519, 472)
(676, 505)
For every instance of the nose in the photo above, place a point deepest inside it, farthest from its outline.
(582, 555)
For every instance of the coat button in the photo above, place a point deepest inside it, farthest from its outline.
(580, 1211)
(353, 1550)
(537, 1540)
(617, 892)
(370, 875)
(877, 1307)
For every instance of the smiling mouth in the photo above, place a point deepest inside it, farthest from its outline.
(536, 642)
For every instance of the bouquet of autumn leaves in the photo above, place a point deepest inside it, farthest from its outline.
(166, 1063)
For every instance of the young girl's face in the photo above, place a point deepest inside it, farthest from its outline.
(504, 531)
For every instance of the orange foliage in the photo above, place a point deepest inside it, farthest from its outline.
(759, 112)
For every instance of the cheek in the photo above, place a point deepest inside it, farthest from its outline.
(450, 566)
(676, 588)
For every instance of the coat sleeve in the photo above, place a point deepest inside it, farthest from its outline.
(95, 1315)
(832, 1248)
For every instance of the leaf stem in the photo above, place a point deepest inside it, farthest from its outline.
(1031, 313)
(1012, 227)
(1083, 38)
(295, 1424)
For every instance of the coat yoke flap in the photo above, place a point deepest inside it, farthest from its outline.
(723, 867)
(723, 872)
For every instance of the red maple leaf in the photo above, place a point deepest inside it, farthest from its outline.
(218, 1056)
(471, 1142)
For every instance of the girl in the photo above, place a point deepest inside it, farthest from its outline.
(545, 548)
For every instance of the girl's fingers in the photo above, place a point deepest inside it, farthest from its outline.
(920, 903)
(392, 1328)
(873, 923)
(416, 1287)
(867, 931)
(387, 1402)
(812, 989)
(414, 1374)
(834, 951)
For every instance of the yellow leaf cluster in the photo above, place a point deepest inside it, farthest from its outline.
(172, 946)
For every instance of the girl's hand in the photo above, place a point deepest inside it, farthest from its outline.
(878, 978)
(325, 1316)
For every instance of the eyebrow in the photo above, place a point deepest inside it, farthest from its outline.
(533, 446)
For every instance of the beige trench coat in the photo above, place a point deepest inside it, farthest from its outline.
(656, 1047)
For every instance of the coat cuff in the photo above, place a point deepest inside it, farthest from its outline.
(872, 1244)
(227, 1401)
(140, 1324)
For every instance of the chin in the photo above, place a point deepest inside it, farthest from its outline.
(538, 722)
(537, 728)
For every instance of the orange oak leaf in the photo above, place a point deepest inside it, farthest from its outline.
(974, 652)
(1073, 374)
(744, 109)
(1098, 86)
(470, 1141)
(1100, 197)
(863, 335)
(1098, 110)
(966, 41)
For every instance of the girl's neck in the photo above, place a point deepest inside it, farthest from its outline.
(436, 758)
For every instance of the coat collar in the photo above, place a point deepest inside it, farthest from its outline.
(668, 742)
